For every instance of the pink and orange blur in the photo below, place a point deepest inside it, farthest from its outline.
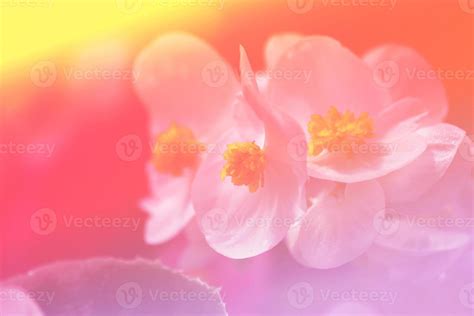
(80, 178)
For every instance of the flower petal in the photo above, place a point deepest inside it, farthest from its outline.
(435, 220)
(416, 78)
(240, 224)
(280, 129)
(446, 198)
(400, 119)
(334, 77)
(425, 236)
(337, 230)
(237, 223)
(414, 235)
(277, 45)
(443, 142)
(178, 72)
(169, 206)
(114, 287)
(371, 160)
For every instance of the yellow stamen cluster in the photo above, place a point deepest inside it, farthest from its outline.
(338, 132)
(245, 163)
(176, 149)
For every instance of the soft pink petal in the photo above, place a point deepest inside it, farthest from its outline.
(246, 120)
(415, 78)
(277, 45)
(280, 129)
(372, 160)
(428, 234)
(178, 72)
(317, 189)
(445, 199)
(115, 287)
(436, 222)
(169, 205)
(417, 236)
(400, 119)
(197, 254)
(336, 78)
(339, 228)
(240, 224)
(413, 268)
(16, 302)
(443, 142)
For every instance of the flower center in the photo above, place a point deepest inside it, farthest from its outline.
(176, 149)
(338, 132)
(244, 164)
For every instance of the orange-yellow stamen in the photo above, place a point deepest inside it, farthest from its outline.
(338, 132)
(244, 164)
(176, 149)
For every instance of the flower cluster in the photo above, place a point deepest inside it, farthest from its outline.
(323, 161)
